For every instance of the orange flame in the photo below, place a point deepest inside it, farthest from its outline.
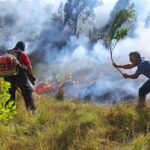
(43, 88)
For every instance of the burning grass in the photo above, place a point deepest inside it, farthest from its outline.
(74, 125)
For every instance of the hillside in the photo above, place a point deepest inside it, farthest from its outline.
(75, 125)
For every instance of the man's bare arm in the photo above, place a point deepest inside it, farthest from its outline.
(128, 66)
(132, 76)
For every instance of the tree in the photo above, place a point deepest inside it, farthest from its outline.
(78, 9)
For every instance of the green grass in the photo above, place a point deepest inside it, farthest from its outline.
(75, 125)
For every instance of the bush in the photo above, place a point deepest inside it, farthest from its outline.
(6, 111)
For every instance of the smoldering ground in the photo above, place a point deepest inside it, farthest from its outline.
(56, 53)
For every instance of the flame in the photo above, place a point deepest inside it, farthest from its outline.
(43, 88)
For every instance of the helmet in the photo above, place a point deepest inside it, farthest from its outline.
(20, 45)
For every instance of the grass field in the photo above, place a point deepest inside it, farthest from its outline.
(76, 125)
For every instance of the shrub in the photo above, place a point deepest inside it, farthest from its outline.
(6, 111)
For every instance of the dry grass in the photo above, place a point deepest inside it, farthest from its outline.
(74, 125)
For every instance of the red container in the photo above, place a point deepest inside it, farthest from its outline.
(8, 64)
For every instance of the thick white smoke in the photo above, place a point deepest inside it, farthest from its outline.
(103, 11)
(24, 20)
(91, 67)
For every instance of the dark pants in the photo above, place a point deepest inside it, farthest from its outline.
(21, 81)
(143, 91)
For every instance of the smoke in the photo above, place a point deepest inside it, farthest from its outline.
(24, 20)
(103, 12)
(40, 25)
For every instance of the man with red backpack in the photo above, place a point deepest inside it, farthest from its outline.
(21, 80)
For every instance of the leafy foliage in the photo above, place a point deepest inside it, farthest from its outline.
(6, 111)
(121, 34)
(119, 29)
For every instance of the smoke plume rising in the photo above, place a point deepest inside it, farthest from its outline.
(39, 25)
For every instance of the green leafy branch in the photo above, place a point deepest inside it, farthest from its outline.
(119, 29)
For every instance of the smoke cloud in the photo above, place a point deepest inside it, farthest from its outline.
(90, 66)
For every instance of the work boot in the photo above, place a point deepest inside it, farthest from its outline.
(31, 110)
